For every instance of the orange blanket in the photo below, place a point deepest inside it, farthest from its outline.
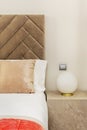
(17, 124)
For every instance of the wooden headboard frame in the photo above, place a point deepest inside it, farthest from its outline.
(21, 36)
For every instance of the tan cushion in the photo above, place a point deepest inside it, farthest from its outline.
(17, 76)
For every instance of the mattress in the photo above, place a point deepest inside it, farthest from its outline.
(25, 106)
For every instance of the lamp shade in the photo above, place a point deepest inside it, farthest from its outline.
(66, 82)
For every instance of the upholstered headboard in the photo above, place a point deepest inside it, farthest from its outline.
(21, 36)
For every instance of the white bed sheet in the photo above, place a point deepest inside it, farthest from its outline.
(25, 105)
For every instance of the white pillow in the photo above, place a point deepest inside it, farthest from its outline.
(39, 75)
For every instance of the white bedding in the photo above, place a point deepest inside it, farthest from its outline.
(32, 106)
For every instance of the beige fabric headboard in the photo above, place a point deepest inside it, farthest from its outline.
(21, 36)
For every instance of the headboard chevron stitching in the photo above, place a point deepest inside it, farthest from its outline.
(21, 36)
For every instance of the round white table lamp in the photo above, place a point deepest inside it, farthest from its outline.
(66, 83)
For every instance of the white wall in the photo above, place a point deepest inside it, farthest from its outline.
(65, 33)
(61, 37)
(83, 44)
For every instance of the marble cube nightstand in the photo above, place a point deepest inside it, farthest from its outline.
(67, 113)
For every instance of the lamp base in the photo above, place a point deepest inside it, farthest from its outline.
(67, 94)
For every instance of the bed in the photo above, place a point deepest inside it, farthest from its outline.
(22, 44)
